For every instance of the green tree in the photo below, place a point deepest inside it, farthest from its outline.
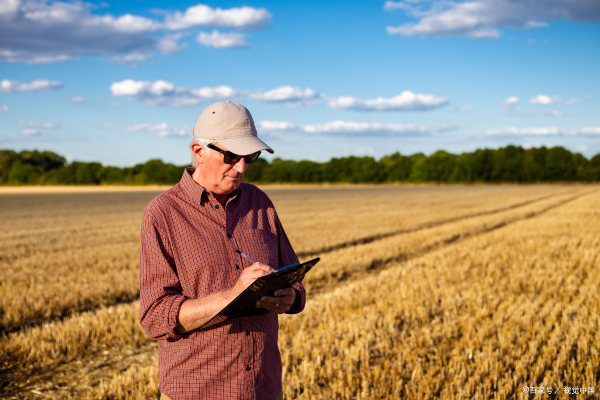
(353, 169)
(112, 175)
(87, 173)
(396, 167)
(46, 160)
(595, 168)
(439, 166)
(7, 159)
(418, 172)
(560, 165)
(532, 171)
(23, 173)
(484, 165)
(255, 171)
(508, 164)
(465, 168)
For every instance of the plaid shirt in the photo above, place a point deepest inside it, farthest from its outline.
(188, 244)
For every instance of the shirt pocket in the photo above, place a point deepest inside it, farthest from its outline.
(264, 247)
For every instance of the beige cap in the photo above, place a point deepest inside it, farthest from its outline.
(231, 125)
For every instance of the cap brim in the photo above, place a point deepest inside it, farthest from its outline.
(244, 145)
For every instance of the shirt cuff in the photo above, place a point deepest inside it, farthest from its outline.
(172, 317)
(300, 301)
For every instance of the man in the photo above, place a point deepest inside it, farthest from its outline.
(190, 270)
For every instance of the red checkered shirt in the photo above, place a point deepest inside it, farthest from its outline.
(188, 244)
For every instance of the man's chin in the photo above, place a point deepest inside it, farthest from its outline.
(229, 185)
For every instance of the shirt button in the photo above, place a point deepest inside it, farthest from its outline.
(217, 206)
(229, 236)
(248, 368)
(247, 332)
(237, 266)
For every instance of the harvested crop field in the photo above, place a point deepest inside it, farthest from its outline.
(450, 292)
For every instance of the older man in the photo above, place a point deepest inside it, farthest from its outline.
(190, 269)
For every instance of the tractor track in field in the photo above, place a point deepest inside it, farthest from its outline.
(68, 312)
(420, 227)
(23, 385)
(382, 263)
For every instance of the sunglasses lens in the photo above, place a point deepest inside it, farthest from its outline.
(250, 158)
(231, 158)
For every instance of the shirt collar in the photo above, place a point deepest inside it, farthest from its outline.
(192, 188)
(196, 191)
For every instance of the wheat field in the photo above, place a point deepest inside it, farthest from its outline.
(450, 292)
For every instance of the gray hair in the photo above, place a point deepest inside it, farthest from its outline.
(202, 142)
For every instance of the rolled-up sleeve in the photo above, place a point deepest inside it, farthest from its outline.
(160, 289)
(288, 256)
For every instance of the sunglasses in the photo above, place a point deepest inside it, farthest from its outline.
(232, 158)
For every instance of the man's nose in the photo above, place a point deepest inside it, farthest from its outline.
(241, 165)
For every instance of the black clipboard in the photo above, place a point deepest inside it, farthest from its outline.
(244, 303)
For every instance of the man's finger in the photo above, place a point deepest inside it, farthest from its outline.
(269, 300)
(256, 274)
(262, 266)
(284, 292)
(273, 304)
(279, 308)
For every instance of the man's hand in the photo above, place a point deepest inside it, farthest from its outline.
(248, 276)
(281, 302)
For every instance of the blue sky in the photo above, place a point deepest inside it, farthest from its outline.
(123, 82)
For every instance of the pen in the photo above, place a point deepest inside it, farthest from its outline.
(247, 257)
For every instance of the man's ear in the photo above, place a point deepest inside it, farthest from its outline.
(197, 152)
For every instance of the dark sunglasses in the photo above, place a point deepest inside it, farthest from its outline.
(232, 158)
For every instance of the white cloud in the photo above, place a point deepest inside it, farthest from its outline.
(37, 128)
(400, 5)
(133, 56)
(276, 126)
(237, 17)
(51, 31)
(287, 94)
(170, 44)
(8, 86)
(162, 129)
(130, 23)
(166, 93)
(77, 100)
(41, 125)
(544, 100)
(129, 87)
(8, 8)
(220, 40)
(483, 19)
(536, 113)
(46, 31)
(585, 131)
(27, 132)
(25, 57)
(511, 101)
(405, 101)
(591, 131)
(4, 109)
(355, 127)
(162, 92)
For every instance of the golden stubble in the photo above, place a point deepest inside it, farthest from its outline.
(436, 292)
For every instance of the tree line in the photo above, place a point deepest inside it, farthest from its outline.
(505, 164)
